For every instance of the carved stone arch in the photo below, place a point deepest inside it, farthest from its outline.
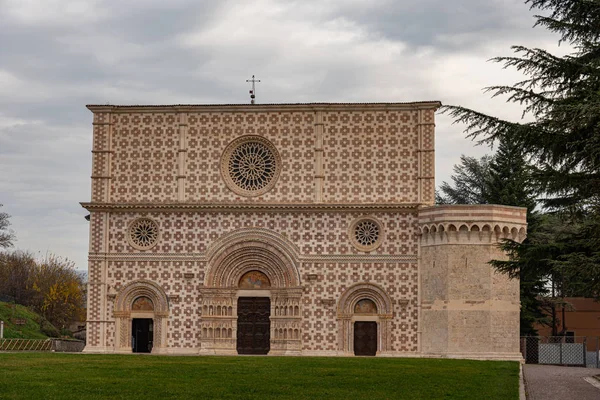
(124, 314)
(252, 249)
(361, 291)
(346, 316)
(514, 233)
(139, 288)
(229, 259)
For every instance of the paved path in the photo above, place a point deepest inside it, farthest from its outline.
(549, 382)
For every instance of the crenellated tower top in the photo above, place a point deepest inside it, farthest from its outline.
(471, 224)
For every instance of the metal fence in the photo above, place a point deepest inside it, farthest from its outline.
(25, 345)
(580, 351)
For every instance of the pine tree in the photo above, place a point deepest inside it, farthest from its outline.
(510, 178)
(470, 182)
(562, 94)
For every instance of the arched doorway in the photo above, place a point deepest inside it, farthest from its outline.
(141, 312)
(254, 273)
(364, 314)
(142, 325)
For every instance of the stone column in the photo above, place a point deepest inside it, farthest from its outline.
(319, 173)
(181, 156)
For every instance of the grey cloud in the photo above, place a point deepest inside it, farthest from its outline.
(445, 25)
(157, 52)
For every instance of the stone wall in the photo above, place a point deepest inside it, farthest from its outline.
(69, 346)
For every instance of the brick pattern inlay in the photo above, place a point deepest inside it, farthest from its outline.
(329, 161)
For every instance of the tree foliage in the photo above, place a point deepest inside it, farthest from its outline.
(52, 286)
(562, 143)
(505, 178)
(470, 182)
(6, 235)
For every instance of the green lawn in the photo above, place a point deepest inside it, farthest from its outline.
(81, 376)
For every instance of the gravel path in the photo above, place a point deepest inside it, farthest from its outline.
(549, 382)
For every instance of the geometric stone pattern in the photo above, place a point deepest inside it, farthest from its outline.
(337, 164)
(210, 133)
(370, 157)
(144, 167)
(313, 233)
(319, 325)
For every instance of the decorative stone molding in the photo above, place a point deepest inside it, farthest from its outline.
(361, 291)
(366, 233)
(251, 249)
(471, 224)
(405, 258)
(188, 275)
(250, 166)
(264, 207)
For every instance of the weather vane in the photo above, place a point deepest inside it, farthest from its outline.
(253, 91)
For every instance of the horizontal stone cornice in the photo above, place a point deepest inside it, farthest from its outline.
(346, 258)
(419, 105)
(472, 214)
(248, 207)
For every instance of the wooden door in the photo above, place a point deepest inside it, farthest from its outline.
(365, 338)
(254, 325)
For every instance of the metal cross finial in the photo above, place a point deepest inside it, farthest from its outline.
(253, 91)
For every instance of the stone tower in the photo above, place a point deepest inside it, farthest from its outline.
(468, 310)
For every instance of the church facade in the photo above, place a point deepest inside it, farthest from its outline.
(300, 229)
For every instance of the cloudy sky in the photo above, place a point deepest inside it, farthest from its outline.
(58, 55)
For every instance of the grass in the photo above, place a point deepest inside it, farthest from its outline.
(77, 376)
(9, 313)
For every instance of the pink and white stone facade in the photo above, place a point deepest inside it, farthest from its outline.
(336, 164)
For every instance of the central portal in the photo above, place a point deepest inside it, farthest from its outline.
(253, 325)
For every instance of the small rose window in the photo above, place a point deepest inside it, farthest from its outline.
(366, 234)
(143, 233)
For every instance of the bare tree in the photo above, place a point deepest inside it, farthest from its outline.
(6, 235)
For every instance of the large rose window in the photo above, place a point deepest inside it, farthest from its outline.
(250, 165)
